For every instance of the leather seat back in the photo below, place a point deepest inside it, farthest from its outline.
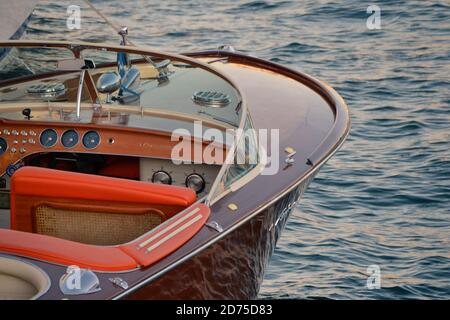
(89, 208)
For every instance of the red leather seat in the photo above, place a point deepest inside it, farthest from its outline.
(31, 186)
(65, 252)
(34, 181)
(142, 252)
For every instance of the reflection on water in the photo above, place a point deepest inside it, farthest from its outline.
(383, 199)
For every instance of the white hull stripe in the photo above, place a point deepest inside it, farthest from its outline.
(170, 226)
(174, 233)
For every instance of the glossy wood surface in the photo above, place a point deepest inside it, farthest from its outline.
(113, 141)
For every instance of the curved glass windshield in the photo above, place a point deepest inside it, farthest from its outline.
(149, 84)
(242, 160)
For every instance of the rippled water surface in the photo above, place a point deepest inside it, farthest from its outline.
(384, 198)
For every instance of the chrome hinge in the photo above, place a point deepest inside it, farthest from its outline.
(214, 225)
(119, 282)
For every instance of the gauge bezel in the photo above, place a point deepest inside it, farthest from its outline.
(163, 171)
(56, 140)
(7, 146)
(99, 139)
(198, 175)
(62, 141)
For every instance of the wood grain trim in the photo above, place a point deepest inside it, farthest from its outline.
(114, 141)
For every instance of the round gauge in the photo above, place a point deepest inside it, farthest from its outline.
(48, 138)
(3, 146)
(91, 139)
(69, 139)
(195, 182)
(161, 177)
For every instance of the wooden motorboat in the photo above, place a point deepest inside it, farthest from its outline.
(123, 174)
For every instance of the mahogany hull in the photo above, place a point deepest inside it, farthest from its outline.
(233, 267)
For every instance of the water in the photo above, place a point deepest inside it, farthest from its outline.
(384, 198)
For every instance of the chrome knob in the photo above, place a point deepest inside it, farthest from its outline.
(195, 182)
(161, 177)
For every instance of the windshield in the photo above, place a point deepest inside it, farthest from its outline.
(165, 85)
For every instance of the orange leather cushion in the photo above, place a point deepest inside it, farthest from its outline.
(65, 252)
(162, 241)
(34, 181)
(169, 236)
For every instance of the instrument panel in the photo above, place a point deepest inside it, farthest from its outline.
(91, 139)
(3, 146)
(48, 138)
(70, 138)
(21, 139)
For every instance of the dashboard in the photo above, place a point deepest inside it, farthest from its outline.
(20, 139)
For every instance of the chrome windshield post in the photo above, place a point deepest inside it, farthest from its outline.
(77, 65)
(80, 90)
(87, 64)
